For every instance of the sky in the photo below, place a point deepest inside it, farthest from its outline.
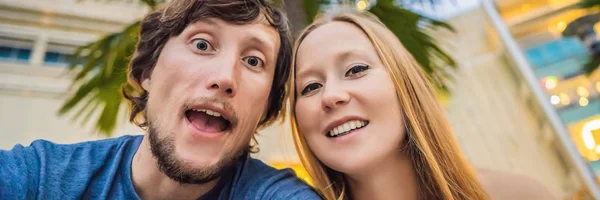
(445, 9)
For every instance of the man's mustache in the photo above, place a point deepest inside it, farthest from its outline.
(224, 104)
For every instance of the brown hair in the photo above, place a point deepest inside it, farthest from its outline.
(172, 18)
(443, 172)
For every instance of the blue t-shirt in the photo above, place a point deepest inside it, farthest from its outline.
(102, 170)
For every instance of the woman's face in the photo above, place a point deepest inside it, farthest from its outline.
(346, 103)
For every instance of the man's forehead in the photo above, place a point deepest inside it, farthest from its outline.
(261, 31)
(259, 20)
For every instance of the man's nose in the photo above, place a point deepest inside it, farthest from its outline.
(223, 79)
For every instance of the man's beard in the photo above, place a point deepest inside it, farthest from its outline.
(163, 149)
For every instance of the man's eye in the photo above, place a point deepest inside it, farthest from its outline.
(253, 61)
(310, 87)
(202, 45)
(356, 70)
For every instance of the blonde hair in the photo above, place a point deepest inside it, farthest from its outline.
(442, 171)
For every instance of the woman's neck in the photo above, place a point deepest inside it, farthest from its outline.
(393, 178)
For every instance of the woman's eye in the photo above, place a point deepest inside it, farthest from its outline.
(202, 45)
(310, 87)
(356, 69)
(253, 61)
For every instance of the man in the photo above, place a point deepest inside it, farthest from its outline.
(207, 74)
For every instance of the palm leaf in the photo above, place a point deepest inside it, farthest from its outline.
(591, 65)
(594, 61)
(424, 48)
(588, 3)
(99, 80)
(312, 8)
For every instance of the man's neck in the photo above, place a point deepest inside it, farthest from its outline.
(394, 178)
(150, 183)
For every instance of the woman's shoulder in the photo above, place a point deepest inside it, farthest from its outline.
(503, 185)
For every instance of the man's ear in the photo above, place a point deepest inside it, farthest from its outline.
(146, 79)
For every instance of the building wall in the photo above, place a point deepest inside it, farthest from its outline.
(490, 110)
(31, 92)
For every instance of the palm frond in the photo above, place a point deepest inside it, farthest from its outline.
(99, 80)
(424, 48)
(592, 64)
(588, 3)
(594, 60)
(312, 8)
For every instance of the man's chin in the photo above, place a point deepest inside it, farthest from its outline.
(185, 175)
(177, 165)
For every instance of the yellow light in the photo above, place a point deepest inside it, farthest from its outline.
(550, 82)
(598, 149)
(598, 86)
(583, 101)
(582, 92)
(586, 133)
(555, 100)
(561, 26)
(564, 99)
(524, 7)
(361, 5)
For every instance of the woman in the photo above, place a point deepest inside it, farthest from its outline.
(365, 120)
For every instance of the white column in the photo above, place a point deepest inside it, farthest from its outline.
(39, 49)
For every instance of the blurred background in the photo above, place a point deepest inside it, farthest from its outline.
(518, 78)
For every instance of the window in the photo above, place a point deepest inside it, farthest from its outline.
(57, 54)
(15, 50)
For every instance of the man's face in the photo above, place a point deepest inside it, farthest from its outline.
(207, 93)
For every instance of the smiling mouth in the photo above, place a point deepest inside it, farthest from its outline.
(207, 120)
(347, 128)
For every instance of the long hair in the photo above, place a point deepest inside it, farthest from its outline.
(441, 169)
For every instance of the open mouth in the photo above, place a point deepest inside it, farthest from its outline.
(347, 128)
(207, 120)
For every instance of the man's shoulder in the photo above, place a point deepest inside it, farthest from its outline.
(261, 172)
(271, 183)
(43, 153)
(49, 149)
(44, 167)
(504, 185)
(46, 144)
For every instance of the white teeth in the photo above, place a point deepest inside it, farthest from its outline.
(209, 112)
(348, 126)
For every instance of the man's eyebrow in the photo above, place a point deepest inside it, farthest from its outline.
(208, 21)
(265, 45)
